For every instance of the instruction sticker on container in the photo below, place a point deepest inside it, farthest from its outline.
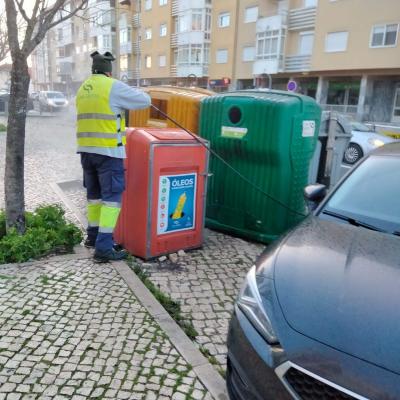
(176, 203)
(233, 132)
(308, 128)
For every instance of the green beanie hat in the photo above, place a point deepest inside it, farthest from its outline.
(102, 62)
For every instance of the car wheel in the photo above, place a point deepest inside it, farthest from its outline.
(352, 154)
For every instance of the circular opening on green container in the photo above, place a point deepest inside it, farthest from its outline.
(235, 115)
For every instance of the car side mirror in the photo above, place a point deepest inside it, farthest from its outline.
(314, 194)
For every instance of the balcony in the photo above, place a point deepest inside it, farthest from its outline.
(136, 47)
(302, 18)
(125, 48)
(175, 7)
(136, 20)
(298, 63)
(173, 71)
(262, 66)
(174, 40)
(184, 70)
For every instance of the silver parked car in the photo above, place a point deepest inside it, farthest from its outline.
(50, 101)
(363, 140)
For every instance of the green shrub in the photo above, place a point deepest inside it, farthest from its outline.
(47, 231)
(3, 127)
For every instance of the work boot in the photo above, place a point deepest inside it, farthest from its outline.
(110, 255)
(89, 243)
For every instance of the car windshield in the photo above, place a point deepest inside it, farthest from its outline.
(370, 195)
(357, 126)
(54, 95)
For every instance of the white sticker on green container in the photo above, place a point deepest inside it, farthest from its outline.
(308, 128)
(233, 133)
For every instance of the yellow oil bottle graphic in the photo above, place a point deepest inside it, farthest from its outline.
(179, 207)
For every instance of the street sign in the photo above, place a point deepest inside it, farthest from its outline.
(292, 86)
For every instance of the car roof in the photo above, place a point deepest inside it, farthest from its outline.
(390, 149)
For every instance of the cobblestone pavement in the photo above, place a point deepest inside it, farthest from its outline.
(206, 281)
(74, 330)
(50, 156)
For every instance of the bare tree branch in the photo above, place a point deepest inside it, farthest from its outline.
(46, 21)
(21, 9)
(4, 48)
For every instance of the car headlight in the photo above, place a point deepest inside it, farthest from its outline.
(375, 142)
(253, 306)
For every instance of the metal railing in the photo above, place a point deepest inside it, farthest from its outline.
(302, 18)
(173, 70)
(340, 108)
(174, 40)
(298, 63)
(136, 47)
(174, 7)
(136, 20)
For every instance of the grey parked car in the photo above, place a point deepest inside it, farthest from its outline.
(318, 315)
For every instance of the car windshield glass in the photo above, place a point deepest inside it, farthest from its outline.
(357, 126)
(370, 194)
(55, 95)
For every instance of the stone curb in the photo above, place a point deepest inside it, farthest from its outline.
(207, 374)
(210, 378)
(64, 198)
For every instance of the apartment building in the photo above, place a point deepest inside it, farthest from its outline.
(345, 53)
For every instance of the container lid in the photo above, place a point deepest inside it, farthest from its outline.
(168, 133)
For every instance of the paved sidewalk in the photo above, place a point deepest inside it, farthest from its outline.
(205, 281)
(71, 329)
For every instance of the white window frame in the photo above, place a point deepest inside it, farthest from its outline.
(246, 20)
(218, 53)
(163, 32)
(163, 2)
(146, 64)
(162, 57)
(222, 17)
(268, 37)
(148, 5)
(338, 49)
(248, 59)
(306, 33)
(384, 36)
(148, 33)
(314, 3)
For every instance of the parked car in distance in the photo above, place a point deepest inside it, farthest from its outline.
(364, 139)
(318, 315)
(50, 101)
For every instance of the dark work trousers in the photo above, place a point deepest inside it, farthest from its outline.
(104, 180)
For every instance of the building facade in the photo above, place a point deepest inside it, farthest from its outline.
(344, 53)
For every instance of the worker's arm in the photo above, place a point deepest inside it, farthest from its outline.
(124, 97)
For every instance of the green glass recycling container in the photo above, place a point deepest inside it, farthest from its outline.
(269, 137)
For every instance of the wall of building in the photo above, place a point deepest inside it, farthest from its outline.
(357, 17)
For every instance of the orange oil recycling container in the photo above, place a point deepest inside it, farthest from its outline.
(163, 203)
(181, 104)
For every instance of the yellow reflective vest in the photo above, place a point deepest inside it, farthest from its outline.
(97, 125)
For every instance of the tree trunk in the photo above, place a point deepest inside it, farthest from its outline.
(14, 169)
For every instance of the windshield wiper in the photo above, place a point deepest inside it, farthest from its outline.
(354, 222)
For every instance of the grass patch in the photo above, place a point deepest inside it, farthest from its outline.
(26, 312)
(47, 232)
(6, 277)
(212, 360)
(3, 128)
(44, 280)
(172, 307)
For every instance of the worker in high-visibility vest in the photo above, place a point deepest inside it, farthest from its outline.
(100, 103)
